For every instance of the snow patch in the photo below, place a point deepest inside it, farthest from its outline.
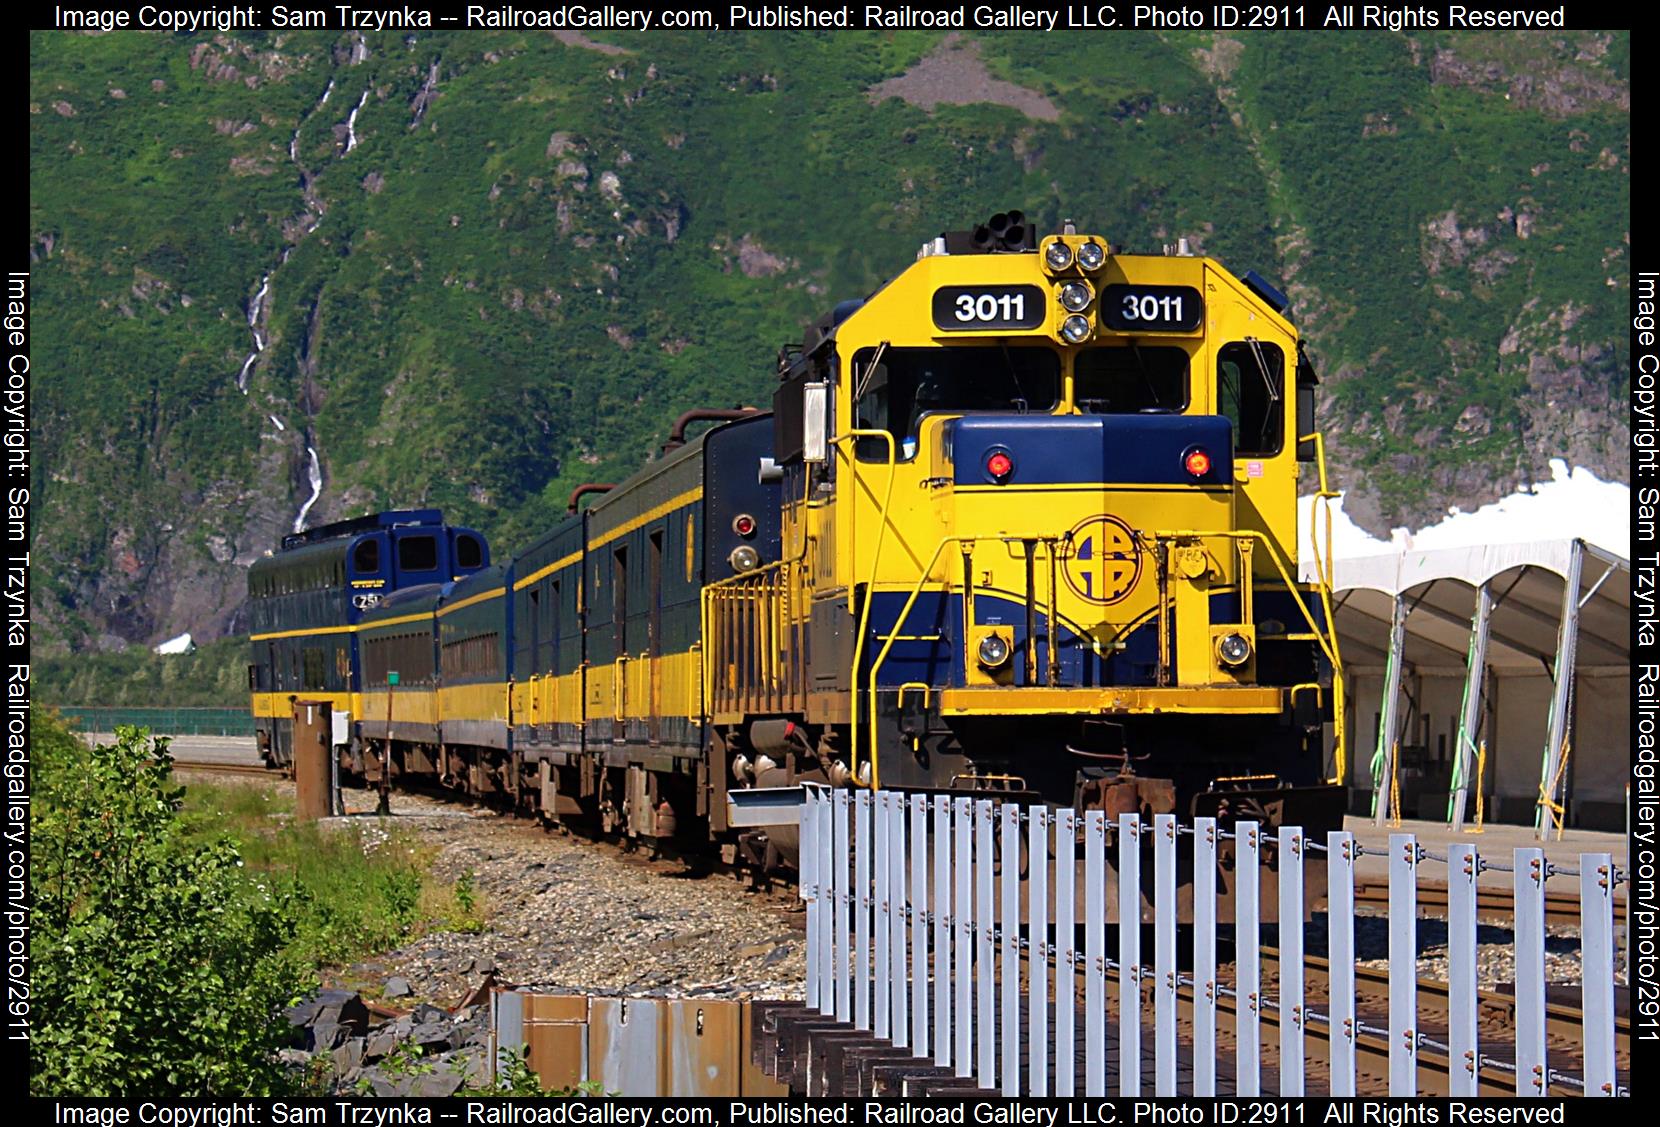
(277, 421)
(180, 645)
(1574, 504)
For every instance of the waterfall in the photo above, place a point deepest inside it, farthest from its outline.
(351, 122)
(316, 474)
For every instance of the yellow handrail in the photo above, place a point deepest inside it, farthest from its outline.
(1325, 572)
(870, 594)
(910, 601)
(927, 692)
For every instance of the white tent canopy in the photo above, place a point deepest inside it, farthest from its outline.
(1488, 679)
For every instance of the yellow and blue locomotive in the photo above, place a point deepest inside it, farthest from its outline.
(1024, 520)
(1039, 535)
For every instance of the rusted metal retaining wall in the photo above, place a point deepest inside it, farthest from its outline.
(631, 1046)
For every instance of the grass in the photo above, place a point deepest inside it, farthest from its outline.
(359, 888)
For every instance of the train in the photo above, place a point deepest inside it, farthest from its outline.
(1021, 523)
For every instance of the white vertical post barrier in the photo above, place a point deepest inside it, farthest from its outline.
(1037, 973)
(1204, 956)
(1009, 917)
(1164, 954)
(843, 938)
(1463, 871)
(861, 921)
(1530, 972)
(920, 919)
(964, 875)
(809, 890)
(882, 1005)
(1247, 964)
(1066, 951)
(1596, 930)
(1340, 946)
(944, 918)
(899, 1028)
(1403, 965)
(825, 842)
(1129, 954)
(1095, 953)
(985, 971)
(1292, 1009)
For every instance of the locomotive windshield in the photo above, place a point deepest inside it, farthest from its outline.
(1125, 380)
(895, 390)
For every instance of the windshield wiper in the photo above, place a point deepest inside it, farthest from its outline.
(1146, 376)
(1272, 389)
(1020, 400)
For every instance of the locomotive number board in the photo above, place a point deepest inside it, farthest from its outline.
(970, 309)
(1152, 309)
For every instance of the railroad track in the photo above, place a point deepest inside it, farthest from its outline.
(1492, 903)
(1564, 1024)
(1564, 1021)
(221, 768)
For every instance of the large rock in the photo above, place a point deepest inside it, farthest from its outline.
(386, 1087)
(349, 1055)
(343, 1007)
(323, 1036)
(381, 1043)
(432, 1035)
(437, 1084)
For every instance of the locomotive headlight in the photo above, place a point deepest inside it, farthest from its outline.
(1233, 649)
(994, 651)
(743, 558)
(1058, 256)
(1075, 329)
(1091, 255)
(1076, 296)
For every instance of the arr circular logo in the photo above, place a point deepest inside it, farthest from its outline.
(1105, 562)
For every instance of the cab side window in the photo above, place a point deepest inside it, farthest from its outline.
(1250, 391)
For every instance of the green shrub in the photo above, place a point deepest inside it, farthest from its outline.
(160, 967)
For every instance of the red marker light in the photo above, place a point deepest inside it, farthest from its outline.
(1197, 463)
(999, 465)
(743, 525)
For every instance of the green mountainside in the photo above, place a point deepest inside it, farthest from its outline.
(486, 267)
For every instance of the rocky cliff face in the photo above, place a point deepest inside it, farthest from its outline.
(296, 276)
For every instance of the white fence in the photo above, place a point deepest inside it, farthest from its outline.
(917, 934)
